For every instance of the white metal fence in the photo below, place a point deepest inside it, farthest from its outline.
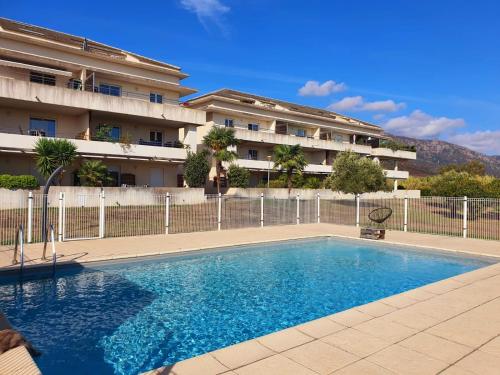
(99, 216)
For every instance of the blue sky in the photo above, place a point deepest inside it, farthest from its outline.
(427, 69)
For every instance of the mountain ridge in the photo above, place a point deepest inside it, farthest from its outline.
(435, 154)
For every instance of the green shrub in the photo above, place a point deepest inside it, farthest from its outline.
(312, 182)
(196, 168)
(493, 188)
(239, 177)
(18, 182)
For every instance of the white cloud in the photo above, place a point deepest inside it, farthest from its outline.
(347, 103)
(314, 88)
(205, 10)
(422, 125)
(358, 104)
(486, 142)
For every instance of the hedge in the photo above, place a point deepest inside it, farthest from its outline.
(8, 181)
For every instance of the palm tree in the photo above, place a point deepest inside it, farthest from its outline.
(52, 153)
(218, 140)
(94, 173)
(290, 159)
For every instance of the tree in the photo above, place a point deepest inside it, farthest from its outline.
(238, 176)
(94, 173)
(196, 168)
(457, 184)
(289, 159)
(355, 174)
(52, 153)
(218, 140)
(474, 167)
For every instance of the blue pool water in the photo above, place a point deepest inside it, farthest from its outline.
(130, 317)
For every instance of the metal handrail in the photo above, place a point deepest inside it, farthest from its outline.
(19, 242)
(53, 243)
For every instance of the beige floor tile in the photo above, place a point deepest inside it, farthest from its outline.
(480, 363)
(376, 309)
(436, 347)
(439, 309)
(320, 327)
(409, 317)
(455, 370)
(465, 329)
(275, 365)
(320, 357)
(386, 330)
(363, 367)
(405, 361)
(355, 342)
(242, 354)
(284, 340)
(399, 301)
(201, 365)
(419, 294)
(476, 275)
(443, 286)
(350, 317)
(492, 347)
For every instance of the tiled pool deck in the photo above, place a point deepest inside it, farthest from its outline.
(449, 327)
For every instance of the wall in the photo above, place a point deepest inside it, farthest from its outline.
(310, 193)
(77, 196)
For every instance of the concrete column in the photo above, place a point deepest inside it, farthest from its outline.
(189, 137)
(272, 128)
(354, 139)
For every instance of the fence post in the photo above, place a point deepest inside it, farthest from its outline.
(319, 208)
(465, 217)
(60, 225)
(30, 216)
(405, 222)
(101, 214)
(298, 208)
(167, 212)
(357, 210)
(261, 209)
(219, 211)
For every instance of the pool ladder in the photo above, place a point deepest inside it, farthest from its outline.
(19, 244)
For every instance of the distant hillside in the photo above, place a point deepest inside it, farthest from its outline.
(433, 154)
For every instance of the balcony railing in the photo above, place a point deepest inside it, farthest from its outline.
(83, 136)
(75, 84)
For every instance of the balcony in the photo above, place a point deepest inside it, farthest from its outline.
(263, 165)
(305, 142)
(98, 149)
(396, 175)
(388, 153)
(65, 98)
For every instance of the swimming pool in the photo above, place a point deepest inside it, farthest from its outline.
(129, 317)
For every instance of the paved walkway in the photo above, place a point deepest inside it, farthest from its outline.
(124, 247)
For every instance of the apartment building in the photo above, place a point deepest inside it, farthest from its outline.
(115, 106)
(260, 123)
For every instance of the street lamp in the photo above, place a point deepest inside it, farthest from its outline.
(268, 169)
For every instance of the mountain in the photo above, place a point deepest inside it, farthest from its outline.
(434, 154)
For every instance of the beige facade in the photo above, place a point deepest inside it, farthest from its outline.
(64, 86)
(58, 85)
(262, 123)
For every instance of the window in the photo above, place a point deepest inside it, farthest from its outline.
(112, 90)
(108, 133)
(42, 127)
(301, 133)
(253, 127)
(180, 180)
(229, 123)
(44, 79)
(156, 137)
(252, 155)
(155, 98)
